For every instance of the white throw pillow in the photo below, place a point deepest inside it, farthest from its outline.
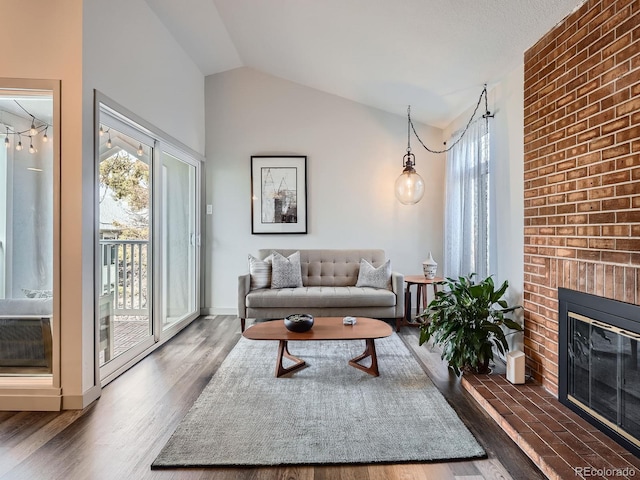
(370, 276)
(286, 272)
(260, 271)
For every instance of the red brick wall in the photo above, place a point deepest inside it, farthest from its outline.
(582, 169)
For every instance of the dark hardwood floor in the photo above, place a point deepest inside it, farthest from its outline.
(119, 436)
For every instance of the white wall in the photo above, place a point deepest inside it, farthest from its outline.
(509, 148)
(130, 56)
(354, 154)
(506, 101)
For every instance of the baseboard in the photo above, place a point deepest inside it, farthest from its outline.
(41, 399)
(219, 311)
(79, 402)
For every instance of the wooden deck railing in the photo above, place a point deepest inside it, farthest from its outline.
(125, 276)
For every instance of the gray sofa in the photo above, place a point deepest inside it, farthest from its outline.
(329, 278)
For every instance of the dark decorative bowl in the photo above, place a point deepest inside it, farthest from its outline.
(299, 322)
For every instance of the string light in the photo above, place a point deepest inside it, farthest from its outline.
(32, 131)
(102, 132)
(37, 126)
(140, 150)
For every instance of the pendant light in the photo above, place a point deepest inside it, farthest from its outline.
(409, 186)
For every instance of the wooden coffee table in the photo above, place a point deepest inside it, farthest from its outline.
(324, 328)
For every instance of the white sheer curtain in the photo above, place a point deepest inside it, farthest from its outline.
(466, 236)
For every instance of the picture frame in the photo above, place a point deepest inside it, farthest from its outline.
(278, 194)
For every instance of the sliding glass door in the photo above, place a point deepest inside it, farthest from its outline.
(148, 237)
(178, 238)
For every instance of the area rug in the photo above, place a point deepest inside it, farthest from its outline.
(327, 413)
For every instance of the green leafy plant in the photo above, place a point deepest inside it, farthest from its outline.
(466, 319)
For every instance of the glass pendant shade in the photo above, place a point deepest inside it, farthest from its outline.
(409, 187)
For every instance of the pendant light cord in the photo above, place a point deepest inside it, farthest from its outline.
(487, 115)
(409, 125)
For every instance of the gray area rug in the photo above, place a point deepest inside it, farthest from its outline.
(327, 413)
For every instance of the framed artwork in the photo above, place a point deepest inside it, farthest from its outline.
(278, 194)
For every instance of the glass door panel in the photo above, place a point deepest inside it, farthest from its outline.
(125, 244)
(630, 401)
(178, 239)
(27, 232)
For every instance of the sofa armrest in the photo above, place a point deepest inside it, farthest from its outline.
(397, 285)
(244, 286)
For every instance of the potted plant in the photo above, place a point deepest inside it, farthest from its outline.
(466, 319)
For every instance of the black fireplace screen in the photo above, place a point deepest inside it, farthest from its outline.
(603, 373)
(599, 374)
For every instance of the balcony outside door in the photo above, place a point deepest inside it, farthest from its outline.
(125, 232)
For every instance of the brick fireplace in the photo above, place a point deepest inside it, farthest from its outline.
(582, 169)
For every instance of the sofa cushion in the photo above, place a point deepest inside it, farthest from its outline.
(26, 306)
(286, 271)
(335, 268)
(260, 271)
(320, 297)
(370, 276)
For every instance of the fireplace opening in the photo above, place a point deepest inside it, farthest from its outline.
(599, 375)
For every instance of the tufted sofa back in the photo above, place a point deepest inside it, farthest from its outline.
(331, 267)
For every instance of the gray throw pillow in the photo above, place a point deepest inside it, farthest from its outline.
(260, 272)
(370, 276)
(286, 272)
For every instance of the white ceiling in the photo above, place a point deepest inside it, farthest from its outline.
(434, 55)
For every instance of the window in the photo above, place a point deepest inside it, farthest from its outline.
(467, 217)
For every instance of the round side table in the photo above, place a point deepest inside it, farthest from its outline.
(421, 297)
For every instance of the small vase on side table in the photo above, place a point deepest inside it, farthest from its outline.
(429, 268)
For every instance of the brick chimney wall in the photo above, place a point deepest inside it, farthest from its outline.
(581, 170)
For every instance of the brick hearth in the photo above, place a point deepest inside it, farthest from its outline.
(556, 439)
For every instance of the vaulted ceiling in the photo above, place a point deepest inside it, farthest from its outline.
(434, 55)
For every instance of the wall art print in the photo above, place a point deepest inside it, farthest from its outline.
(278, 194)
